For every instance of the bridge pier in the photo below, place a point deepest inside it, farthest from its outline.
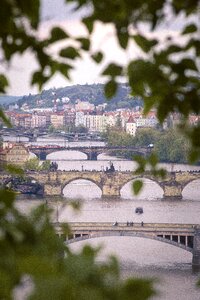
(43, 156)
(172, 191)
(32, 139)
(196, 250)
(110, 191)
(92, 155)
(52, 189)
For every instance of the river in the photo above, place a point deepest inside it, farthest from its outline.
(169, 266)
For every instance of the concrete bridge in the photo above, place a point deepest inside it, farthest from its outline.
(185, 236)
(91, 152)
(110, 183)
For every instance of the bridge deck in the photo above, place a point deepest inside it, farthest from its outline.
(179, 235)
(147, 227)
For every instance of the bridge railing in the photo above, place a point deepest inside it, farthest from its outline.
(134, 225)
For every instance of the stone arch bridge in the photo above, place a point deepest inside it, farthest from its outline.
(110, 183)
(185, 236)
(92, 152)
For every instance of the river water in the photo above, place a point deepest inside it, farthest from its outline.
(169, 266)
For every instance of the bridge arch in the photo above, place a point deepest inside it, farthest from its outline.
(191, 189)
(66, 152)
(73, 180)
(128, 234)
(126, 190)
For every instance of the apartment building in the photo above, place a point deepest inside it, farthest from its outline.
(38, 120)
(80, 119)
(131, 126)
(96, 122)
(57, 119)
(70, 117)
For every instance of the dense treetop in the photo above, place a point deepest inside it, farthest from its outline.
(93, 93)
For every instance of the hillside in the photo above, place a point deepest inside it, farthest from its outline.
(93, 93)
(4, 100)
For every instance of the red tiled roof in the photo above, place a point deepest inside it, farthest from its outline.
(131, 120)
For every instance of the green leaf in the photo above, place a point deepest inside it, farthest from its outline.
(173, 49)
(134, 289)
(57, 34)
(3, 83)
(110, 89)
(189, 64)
(113, 70)
(7, 196)
(69, 52)
(5, 120)
(123, 39)
(75, 204)
(31, 9)
(145, 44)
(39, 78)
(97, 57)
(64, 69)
(88, 23)
(137, 186)
(153, 159)
(190, 29)
(141, 161)
(85, 43)
(161, 173)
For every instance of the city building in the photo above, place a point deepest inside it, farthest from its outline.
(131, 126)
(80, 119)
(38, 120)
(84, 106)
(16, 154)
(96, 123)
(57, 119)
(69, 117)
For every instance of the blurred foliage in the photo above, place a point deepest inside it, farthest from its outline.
(167, 75)
(34, 259)
(29, 246)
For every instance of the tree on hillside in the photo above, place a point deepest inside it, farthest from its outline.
(29, 248)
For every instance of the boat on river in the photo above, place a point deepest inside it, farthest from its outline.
(139, 210)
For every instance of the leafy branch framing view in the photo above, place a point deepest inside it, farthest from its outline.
(166, 76)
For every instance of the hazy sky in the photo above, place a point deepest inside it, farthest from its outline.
(86, 71)
(21, 67)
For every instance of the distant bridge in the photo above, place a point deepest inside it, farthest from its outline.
(185, 236)
(92, 152)
(34, 133)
